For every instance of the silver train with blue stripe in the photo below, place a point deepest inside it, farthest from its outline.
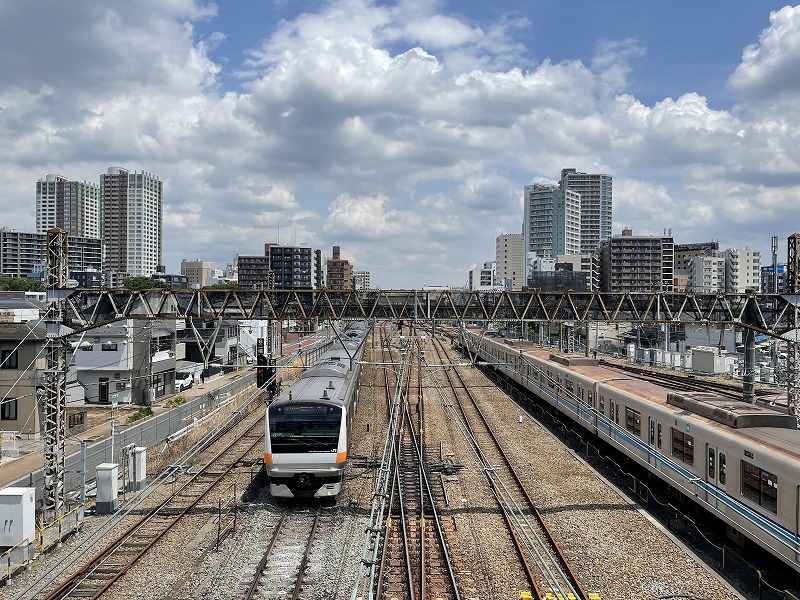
(739, 461)
(307, 427)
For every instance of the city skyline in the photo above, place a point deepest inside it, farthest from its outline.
(405, 132)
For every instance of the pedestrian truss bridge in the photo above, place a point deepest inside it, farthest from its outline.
(771, 314)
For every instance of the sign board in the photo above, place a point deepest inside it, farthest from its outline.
(114, 400)
(114, 427)
(260, 346)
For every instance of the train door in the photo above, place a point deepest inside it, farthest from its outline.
(654, 440)
(716, 473)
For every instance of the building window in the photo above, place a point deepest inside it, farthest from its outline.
(8, 359)
(760, 486)
(9, 410)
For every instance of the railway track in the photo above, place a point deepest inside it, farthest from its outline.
(282, 568)
(684, 382)
(546, 567)
(218, 457)
(415, 561)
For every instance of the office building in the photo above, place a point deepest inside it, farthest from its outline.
(198, 272)
(510, 263)
(74, 206)
(338, 272)
(595, 190)
(131, 222)
(552, 221)
(684, 253)
(630, 263)
(481, 277)
(362, 280)
(768, 281)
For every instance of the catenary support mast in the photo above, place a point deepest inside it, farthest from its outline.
(55, 396)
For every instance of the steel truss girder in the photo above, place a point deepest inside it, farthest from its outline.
(770, 314)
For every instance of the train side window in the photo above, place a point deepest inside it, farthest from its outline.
(712, 459)
(633, 421)
(722, 475)
(658, 427)
(683, 446)
(616, 414)
(760, 486)
(652, 433)
(611, 410)
(602, 404)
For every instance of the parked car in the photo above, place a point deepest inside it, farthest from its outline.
(183, 381)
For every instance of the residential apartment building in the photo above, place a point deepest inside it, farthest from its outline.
(707, 273)
(595, 191)
(510, 270)
(362, 280)
(198, 272)
(587, 264)
(23, 254)
(131, 224)
(74, 206)
(254, 272)
(552, 221)
(742, 270)
(338, 272)
(630, 263)
(295, 267)
(684, 253)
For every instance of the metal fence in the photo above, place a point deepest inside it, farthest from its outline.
(149, 433)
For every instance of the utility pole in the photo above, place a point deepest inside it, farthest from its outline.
(792, 288)
(55, 375)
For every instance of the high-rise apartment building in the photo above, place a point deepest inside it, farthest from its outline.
(23, 254)
(338, 272)
(510, 267)
(707, 273)
(74, 206)
(552, 221)
(596, 206)
(742, 270)
(197, 272)
(295, 267)
(630, 263)
(131, 221)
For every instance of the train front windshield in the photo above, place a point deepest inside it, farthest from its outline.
(304, 427)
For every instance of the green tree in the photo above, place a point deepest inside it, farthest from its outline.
(142, 283)
(226, 285)
(20, 284)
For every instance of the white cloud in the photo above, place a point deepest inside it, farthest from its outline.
(399, 131)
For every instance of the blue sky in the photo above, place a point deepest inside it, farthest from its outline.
(404, 131)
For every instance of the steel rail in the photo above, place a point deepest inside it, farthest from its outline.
(262, 564)
(88, 542)
(538, 547)
(103, 575)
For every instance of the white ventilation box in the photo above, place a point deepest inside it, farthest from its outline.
(17, 515)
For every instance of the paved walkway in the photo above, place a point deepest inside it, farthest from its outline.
(31, 451)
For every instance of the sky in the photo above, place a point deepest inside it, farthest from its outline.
(404, 131)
